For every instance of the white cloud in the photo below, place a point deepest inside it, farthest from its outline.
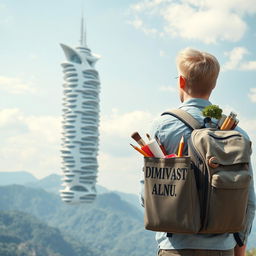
(236, 60)
(9, 117)
(250, 65)
(207, 25)
(120, 173)
(122, 125)
(143, 5)
(252, 94)
(120, 166)
(32, 143)
(16, 85)
(12, 122)
(29, 142)
(235, 57)
(139, 24)
(203, 20)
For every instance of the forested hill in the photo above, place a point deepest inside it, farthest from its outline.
(21, 234)
(110, 225)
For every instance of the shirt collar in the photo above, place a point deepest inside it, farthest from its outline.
(196, 102)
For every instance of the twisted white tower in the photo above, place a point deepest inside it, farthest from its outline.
(80, 123)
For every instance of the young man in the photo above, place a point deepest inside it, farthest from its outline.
(198, 72)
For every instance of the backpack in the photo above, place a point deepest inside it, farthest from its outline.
(204, 192)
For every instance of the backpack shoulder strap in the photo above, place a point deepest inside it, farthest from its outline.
(185, 117)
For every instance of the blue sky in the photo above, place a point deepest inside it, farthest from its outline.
(138, 42)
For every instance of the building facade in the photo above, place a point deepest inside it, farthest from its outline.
(80, 123)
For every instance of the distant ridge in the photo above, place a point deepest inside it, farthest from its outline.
(19, 177)
(52, 184)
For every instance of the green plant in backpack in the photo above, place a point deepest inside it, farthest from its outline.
(211, 111)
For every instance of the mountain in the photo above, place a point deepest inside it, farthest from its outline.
(22, 234)
(21, 177)
(130, 198)
(110, 225)
(52, 183)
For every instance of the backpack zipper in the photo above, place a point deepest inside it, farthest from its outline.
(203, 181)
(224, 138)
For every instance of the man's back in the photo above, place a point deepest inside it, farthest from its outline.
(197, 76)
(169, 130)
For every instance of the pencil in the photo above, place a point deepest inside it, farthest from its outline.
(181, 147)
(140, 151)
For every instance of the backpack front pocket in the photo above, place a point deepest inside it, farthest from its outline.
(228, 197)
(171, 197)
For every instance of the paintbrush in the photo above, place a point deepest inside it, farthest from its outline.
(138, 139)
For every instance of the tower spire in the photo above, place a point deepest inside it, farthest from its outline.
(83, 32)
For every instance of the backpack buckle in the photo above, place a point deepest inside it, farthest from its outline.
(213, 162)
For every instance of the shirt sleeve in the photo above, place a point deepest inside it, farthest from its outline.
(154, 129)
(250, 212)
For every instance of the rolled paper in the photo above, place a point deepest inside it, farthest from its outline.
(155, 149)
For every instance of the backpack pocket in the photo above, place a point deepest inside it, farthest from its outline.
(171, 197)
(228, 197)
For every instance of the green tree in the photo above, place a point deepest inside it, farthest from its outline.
(212, 111)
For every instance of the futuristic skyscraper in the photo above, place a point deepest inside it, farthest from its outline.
(80, 123)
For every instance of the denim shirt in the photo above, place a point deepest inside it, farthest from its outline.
(169, 130)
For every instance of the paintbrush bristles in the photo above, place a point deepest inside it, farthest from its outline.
(136, 136)
(138, 139)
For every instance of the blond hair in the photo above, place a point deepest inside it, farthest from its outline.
(200, 69)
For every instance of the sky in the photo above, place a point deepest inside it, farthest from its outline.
(138, 42)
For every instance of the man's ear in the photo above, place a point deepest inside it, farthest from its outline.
(182, 82)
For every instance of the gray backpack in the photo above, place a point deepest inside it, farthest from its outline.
(204, 192)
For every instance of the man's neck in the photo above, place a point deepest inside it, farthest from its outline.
(187, 97)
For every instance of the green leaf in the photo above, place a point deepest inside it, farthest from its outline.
(212, 111)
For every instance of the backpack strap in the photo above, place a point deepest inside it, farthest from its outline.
(185, 117)
(238, 239)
